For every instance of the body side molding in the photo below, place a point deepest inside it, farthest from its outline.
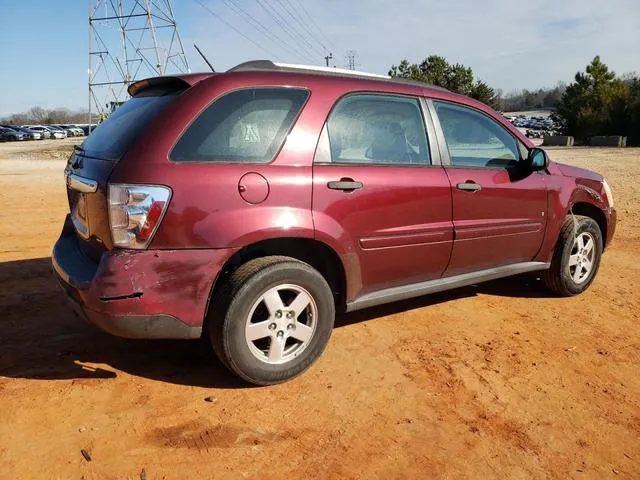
(433, 286)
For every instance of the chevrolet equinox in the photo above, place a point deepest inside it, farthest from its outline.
(247, 207)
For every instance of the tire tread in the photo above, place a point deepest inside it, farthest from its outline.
(221, 304)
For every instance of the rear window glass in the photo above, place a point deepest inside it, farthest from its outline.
(243, 126)
(112, 138)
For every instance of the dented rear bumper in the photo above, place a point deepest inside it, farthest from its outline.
(139, 293)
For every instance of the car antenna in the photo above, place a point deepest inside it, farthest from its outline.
(205, 58)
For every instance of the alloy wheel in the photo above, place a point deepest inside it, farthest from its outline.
(281, 324)
(582, 257)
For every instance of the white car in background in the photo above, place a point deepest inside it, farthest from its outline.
(70, 132)
(77, 131)
(39, 128)
(57, 132)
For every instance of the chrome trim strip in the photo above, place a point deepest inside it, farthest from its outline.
(80, 227)
(440, 284)
(81, 184)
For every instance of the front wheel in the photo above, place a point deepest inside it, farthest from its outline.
(576, 258)
(272, 319)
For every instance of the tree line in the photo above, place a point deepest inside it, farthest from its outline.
(39, 116)
(540, 99)
(597, 102)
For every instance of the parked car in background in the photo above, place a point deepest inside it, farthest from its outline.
(11, 135)
(46, 133)
(57, 132)
(70, 132)
(87, 128)
(30, 134)
(248, 207)
(77, 131)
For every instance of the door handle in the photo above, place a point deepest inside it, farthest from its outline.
(469, 186)
(345, 184)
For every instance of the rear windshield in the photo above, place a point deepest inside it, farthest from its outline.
(111, 139)
(247, 125)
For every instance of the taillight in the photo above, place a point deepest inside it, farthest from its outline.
(135, 212)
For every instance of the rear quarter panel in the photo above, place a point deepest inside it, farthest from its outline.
(206, 208)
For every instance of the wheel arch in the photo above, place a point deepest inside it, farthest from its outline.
(592, 211)
(566, 197)
(313, 252)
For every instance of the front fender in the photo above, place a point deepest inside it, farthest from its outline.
(563, 194)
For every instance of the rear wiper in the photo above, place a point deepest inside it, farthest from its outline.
(78, 148)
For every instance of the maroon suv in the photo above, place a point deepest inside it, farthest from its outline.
(248, 207)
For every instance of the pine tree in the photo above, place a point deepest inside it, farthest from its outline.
(458, 78)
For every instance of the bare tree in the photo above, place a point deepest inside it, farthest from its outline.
(39, 115)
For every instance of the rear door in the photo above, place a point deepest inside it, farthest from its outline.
(499, 204)
(379, 188)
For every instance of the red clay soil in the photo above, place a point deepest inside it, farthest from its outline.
(495, 381)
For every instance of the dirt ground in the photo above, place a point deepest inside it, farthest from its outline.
(494, 381)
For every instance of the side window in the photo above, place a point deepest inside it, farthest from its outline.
(475, 140)
(375, 129)
(243, 126)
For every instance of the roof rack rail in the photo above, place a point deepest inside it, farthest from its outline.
(269, 65)
(289, 67)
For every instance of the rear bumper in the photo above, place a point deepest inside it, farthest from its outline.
(149, 294)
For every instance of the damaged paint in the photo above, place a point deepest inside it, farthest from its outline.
(174, 283)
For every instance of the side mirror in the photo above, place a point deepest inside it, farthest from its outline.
(538, 159)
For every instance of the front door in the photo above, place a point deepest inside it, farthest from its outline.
(499, 205)
(376, 189)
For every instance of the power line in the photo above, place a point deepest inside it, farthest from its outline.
(294, 32)
(236, 30)
(313, 22)
(295, 15)
(284, 24)
(251, 20)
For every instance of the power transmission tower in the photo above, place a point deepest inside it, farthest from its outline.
(351, 57)
(129, 40)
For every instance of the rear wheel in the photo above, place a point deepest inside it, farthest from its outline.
(577, 256)
(271, 320)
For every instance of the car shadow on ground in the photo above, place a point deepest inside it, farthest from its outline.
(42, 339)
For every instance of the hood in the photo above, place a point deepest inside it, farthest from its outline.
(577, 172)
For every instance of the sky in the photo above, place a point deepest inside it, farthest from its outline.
(512, 45)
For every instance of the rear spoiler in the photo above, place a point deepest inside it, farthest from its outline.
(174, 82)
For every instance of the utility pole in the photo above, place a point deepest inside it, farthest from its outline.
(351, 59)
(328, 57)
(130, 40)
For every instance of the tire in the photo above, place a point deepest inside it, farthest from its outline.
(286, 343)
(563, 277)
